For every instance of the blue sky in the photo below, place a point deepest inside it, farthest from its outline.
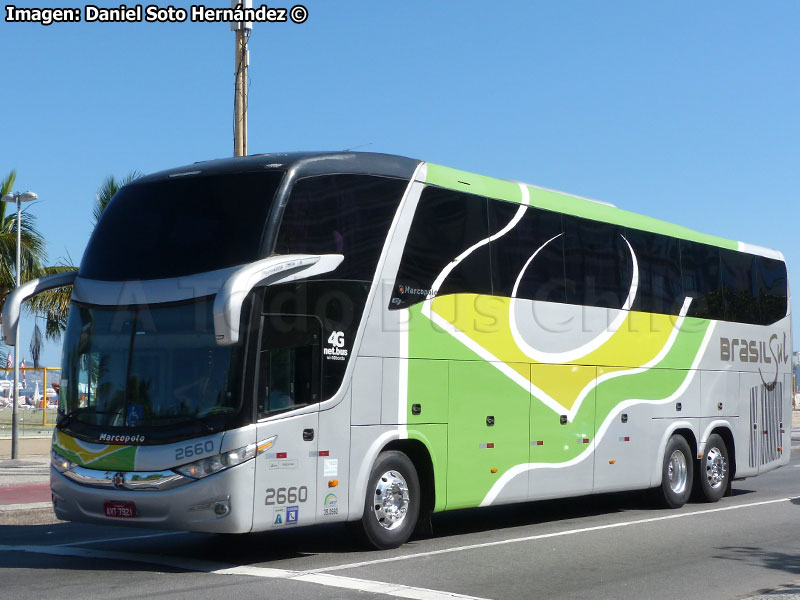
(683, 111)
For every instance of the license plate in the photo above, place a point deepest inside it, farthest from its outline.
(120, 510)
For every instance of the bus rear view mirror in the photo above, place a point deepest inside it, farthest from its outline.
(267, 271)
(25, 291)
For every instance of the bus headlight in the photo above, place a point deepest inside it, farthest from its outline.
(219, 462)
(59, 463)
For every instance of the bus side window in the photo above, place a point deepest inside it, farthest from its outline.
(771, 289)
(738, 289)
(537, 232)
(659, 260)
(289, 363)
(446, 224)
(597, 263)
(701, 279)
(351, 216)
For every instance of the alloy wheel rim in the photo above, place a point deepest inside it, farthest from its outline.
(390, 501)
(716, 468)
(677, 473)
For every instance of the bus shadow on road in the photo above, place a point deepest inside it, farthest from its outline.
(777, 561)
(269, 546)
(337, 539)
(475, 520)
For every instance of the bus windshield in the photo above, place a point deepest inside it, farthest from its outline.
(145, 368)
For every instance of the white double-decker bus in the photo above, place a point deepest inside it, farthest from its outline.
(289, 339)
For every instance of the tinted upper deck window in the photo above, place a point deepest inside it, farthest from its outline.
(341, 214)
(738, 287)
(446, 224)
(771, 288)
(659, 260)
(597, 263)
(181, 226)
(530, 255)
(701, 279)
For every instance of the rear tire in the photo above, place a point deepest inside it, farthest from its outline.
(392, 503)
(714, 470)
(676, 473)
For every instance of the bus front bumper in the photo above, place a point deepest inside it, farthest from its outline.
(219, 503)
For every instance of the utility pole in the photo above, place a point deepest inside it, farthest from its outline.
(242, 29)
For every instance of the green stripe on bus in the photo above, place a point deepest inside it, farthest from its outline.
(468, 484)
(473, 184)
(595, 211)
(509, 191)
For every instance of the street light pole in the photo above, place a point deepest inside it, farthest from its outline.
(17, 198)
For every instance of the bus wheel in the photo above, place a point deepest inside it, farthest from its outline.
(676, 473)
(714, 473)
(392, 503)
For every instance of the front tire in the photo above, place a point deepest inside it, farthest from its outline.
(713, 475)
(391, 506)
(676, 473)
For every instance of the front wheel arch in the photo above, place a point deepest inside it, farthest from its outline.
(419, 455)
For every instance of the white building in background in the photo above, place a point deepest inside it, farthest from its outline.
(796, 371)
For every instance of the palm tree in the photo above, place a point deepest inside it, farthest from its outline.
(106, 191)
(33, 247)
(54, 304)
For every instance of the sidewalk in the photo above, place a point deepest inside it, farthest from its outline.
(25, 491)
(28, 446)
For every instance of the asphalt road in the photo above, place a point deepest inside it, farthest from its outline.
(610, 546)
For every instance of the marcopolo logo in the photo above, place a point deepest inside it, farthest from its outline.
(112, 438)
(412, 291)
(407, 295)
(770, 352)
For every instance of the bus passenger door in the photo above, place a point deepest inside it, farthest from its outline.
(287, 399)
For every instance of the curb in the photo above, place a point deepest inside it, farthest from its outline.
(13, 507)
(40, 513)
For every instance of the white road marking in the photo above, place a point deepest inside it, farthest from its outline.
(543, 536)
(190, 564)
(322, 576)
(349, 583)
